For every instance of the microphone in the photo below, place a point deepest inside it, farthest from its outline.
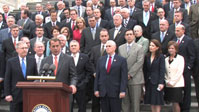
(51, 70)
(44, 69)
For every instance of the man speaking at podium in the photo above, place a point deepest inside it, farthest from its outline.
(65, 70)
(17, 70)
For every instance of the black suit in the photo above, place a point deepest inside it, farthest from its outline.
(48, 29)
(84, 72)
(110, 85)
(131, 23)
(196, 70)
(87, 42)
(119, 38)
(13, 75)
(168, 37)
(187, 50)
(154, 73)
(167, 8)
(146, 29)
(95, 54)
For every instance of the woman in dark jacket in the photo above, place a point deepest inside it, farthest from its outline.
(154, 71)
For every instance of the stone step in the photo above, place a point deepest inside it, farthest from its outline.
(4, 107)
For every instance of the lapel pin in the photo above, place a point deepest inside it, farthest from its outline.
(182, 41)
(114, 60)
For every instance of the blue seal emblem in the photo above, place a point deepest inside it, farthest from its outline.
(41, 108)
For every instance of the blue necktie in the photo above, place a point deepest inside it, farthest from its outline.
(23, 66)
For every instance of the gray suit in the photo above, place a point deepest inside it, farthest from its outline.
(135, 60)
(26, 26)
(194, 20)
(82, 9)
(144, 42)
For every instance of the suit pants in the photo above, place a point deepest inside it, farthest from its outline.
(196, 81)
(131, 103)
(110, 104)
(16, 107)
(186, 103)
(80, 98)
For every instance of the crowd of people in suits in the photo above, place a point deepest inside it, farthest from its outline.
(115, 53)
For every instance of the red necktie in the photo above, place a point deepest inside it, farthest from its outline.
(15, 42)
(56, 65)
(5, 16)
(109, 64)
(178, 41)
(152, 8)
(73, 26)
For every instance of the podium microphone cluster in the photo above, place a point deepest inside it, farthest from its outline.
(47, 70)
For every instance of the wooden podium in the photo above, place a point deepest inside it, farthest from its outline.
(45, 96)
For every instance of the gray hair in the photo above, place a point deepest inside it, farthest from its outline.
(40, 16)
(61, 35)
(119, 15)
(138, 27)
(111, 42)
(20, 43)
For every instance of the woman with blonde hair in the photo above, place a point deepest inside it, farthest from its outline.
(80, 26)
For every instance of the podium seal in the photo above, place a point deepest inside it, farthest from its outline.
(41, 108)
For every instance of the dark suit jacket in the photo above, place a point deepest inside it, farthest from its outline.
(146, 29)
(135, 11)
(131, 24)
(187, 50)
(66, 71)
(95, 54)
(4, 20)
(108, 16)
(155, 71)
(18, 16)
(44, 40)
(113, 83)
(185, 16)
(43, 13)
(104, 24)
(14, 74)
(84, 71)
(48, 29)
(5, 35)
(26, 27)
(87, 42)
(119, 39)
(8, 48)
(4, 25)
(166, 8)
(168, 37)
(196, 62)
(172, 27)
(33, 29)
